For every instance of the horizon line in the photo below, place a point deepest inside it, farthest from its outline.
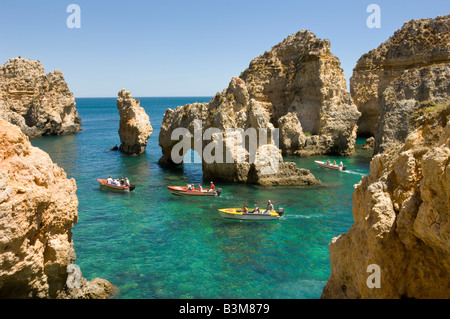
(136, 97)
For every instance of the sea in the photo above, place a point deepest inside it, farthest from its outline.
(152, 244)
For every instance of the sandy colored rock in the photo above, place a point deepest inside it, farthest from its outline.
(418, 46)
(401, 214)
(135, 127)
(39, 103)
(258, 163)
(300, 75)
(297, 88)
(38, 208)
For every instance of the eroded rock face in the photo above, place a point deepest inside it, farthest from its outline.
(39, 103)
(416, 57)
(261, 163)
(38, 208)
(135, 127)
(401, 216)
(301, 76)
(405, 98)
(297, 87)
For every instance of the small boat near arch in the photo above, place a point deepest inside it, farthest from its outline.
(331, 166)
(196, 192)
(104, 183)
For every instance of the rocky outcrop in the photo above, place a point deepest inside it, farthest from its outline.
(300, 76)
(389, 82)
(297, 88)
(38, 207)
(405, 97)
(208, 128)
(401, 214)
(39, 103)
(237, 142)
(135, 127)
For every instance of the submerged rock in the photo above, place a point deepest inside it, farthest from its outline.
(39, 103)
(135, 127)
(401, 214)
(38, 208)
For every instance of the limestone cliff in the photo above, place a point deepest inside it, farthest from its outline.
(38, 207)
(391, 81)
(39, 103)
(135, 127)
(401, 216)
(302, 77)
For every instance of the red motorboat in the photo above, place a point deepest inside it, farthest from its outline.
(184, 191)
(104, 183)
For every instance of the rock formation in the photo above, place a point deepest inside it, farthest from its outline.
(38, 207)
(401, 214)
(300, 76)
(39, 103)
(297, 88)
(390, 82)
(135, 127)
(210, 125)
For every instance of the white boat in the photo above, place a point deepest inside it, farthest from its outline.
(237, 213)
(331, 166)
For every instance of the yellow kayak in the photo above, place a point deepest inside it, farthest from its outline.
(237, 213)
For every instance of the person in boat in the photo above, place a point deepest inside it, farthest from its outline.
(116, 182)
(189, 187)
(328, 162)
(109, 180)
(127, 182)
(200, 187)
(341, 164)
(269, 207)
(334, 162)
(244, 208)
(257, 210)
(122, 181)
(211, 187)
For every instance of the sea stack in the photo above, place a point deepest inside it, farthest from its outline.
(400, 77)
(399, 245)
(38, 208)
(300, 77)
(39, 103)
(297, 88)
(135, 127)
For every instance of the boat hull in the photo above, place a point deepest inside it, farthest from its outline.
(103, 183)
(183, 191)
(235, 213)
(330, 166)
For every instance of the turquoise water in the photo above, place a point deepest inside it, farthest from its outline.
(152, 244)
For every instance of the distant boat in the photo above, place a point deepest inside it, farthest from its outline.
(104, 183)
(237, 213)
(184, 191)
(331, 166)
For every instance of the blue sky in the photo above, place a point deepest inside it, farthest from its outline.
(186, 48)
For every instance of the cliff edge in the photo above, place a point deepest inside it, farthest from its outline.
(38, 208)
(38, 103)
(401, 216)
